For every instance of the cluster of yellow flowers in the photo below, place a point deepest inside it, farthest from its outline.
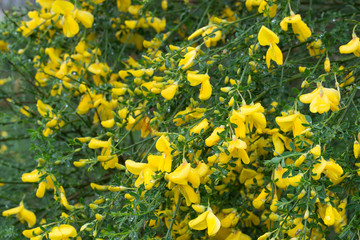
(217, 140)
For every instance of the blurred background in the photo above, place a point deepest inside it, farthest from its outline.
(10, 4)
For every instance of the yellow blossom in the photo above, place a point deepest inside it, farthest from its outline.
(200, 127)
(70, 13)
(356, 148)
(327, 65)
(62, 232)
(301, 30)
(292, 122)
(351, 47)
(188, 59)
(169, 92)
(211, 36)
(266, 9)
(214, 138)
(266, 37)
(22, 213)
(322, 99)
(206, 220)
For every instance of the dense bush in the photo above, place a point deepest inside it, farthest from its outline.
(180, 120)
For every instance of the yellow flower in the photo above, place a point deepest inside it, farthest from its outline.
(44, 109)
(349, 78)
(169, 92)
(327, 65)
(254, 116)
(188, 192)
(35, 176)
(144, 171)
(292, 122)
(266, 9)
(301, 30)
(300, 160)
(25, 110)
(99, 68)
(252, 3)
(316, 151)
(274, 53)
(95, 143)
(238, 235)
(205, 90)
(331, 215)
(285, 182)
(123, 5)
(164, 5)
(60, 195)
(230, 220)
(31, 233)
(206, 220)
(334, 171)
(3, 46)
(108, 123)
(302, 69)
(200, 127)
(266, 37)
(237, 149)
(107, 159)
(62, 232)
(195, 79)
(264, 236)
(178, 181)
(356, 149)
(351, 47)
(239, 120)
(214, 138)
(315, 48)
(27, 27)
(259, 201)
(246, 174)
(156, 23)
(330, 168)
(70, 13)
(184, 174)
(163, 146)
(318, 168)
(188, 59)
(322, 99)
(197, 33)
(22, 213)
(211, 36)
(293, 232)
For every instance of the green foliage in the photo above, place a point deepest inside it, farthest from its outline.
(102, 108)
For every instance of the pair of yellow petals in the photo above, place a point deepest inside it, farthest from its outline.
(70, 13)
(322, 99)
(247, 117)
(206, 220)
(184, 174)
(351, 47)
(300, 29)
(22, 213)
(330, 168)
(266, 37)
(292, 122)
(34, 177)
(331, 215)
(62, 232)
(204, 79)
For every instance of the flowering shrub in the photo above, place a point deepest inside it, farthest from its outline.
(180, 120)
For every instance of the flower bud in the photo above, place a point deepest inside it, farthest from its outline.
(327, 65)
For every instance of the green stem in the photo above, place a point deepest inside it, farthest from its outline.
(168, 234)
